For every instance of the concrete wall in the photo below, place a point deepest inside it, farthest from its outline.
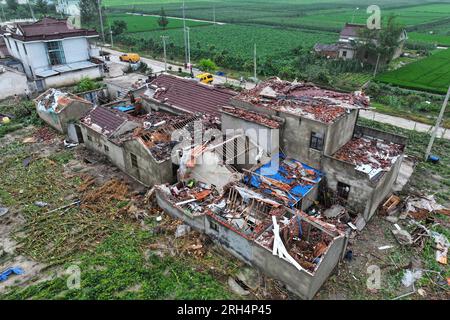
(340, 132)
(149, 172)
(52, 119)
(296, 139)
(12, 82)
(264, 136)
(233, 242)
(383, 188)
(302, 283)
(115, 153)
(70, 78)
(74, 112)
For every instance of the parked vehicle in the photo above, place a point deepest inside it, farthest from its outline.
(130, 57)
(206, 78)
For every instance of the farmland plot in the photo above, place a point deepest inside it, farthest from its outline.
(430, 74)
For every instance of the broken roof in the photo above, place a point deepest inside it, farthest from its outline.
(370, 155)
(189, 95)
(54, 100)
(286, 180)
(251, 116)
(46, 29)
(303, 99)
(105, 121)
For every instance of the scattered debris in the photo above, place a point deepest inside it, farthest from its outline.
(411, 276)
(442, 245)
(250, 277)
(385, 247)
(4, 275)
(236, 288)
(403, 237)
(41, 204)
(3, 211)
(182, 230)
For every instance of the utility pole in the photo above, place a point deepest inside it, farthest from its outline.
(31, 10)
(165, 52)
(188, 45)
(354, 11)
(3, 12)
(99, 3)
(254, 64)
(438, 123)
(214, 14)
(111, 34)
(376, 66)
(185, 36)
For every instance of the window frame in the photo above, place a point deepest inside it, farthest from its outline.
(55, 55)
(134, 161)
(341, 192)
(316, 141)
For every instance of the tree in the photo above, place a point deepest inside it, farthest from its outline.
(12, 4)
(119, 27)
(163, 21)
(207, 65)
(89, 14)
(42, 6)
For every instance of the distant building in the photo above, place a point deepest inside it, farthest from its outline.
(53, 52)
(346, 47)
(68, 7)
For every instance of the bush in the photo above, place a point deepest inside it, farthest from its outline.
(207, 65)
(86, 84)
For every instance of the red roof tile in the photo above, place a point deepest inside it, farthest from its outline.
(107, 120)
(190, 95)
(48, 29)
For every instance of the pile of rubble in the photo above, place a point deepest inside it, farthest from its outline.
(253, 117)
(370, 156)
(303, 99)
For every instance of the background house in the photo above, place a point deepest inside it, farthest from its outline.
(53, 52)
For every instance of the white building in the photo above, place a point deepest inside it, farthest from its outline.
(68, 7)
(53, 52)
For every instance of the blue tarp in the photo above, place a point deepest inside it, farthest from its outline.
(298, 191)
(124, 108)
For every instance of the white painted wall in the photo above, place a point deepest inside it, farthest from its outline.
(70, 78)
(11, 83)
(75, 50)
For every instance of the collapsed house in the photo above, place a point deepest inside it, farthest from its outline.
(60, 109)
(140, 146)
(180, 96)
(319, 128)
(284, 243)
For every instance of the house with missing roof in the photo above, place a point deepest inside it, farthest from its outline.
(185, 96)
(53, 52)
(61, 110)
(320, 129)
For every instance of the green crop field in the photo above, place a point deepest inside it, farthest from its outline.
(429, 74)
(139, 23)
(240, 40)
(436, 39)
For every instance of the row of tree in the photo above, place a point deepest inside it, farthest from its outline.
(14, 10)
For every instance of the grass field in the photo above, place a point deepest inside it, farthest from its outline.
(436, 39)
(138, 23)
(429, 74)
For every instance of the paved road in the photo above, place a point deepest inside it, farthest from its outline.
(175, 18)
(403, 123)
(158, 66)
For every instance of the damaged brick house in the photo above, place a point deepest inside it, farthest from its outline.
(139, 146)
(180, 96)
(319, 128)
(61, 109)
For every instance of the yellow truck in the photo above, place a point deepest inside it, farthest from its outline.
(130, 57)
(206, 78)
